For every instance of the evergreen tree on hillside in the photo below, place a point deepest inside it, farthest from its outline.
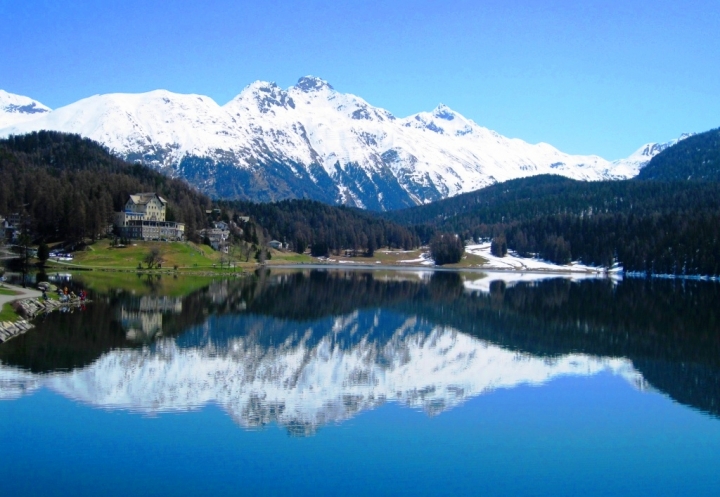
(446, 248)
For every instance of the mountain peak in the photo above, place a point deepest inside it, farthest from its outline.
(266, 96)
(442, 111)
(10, 102)
(15, 109)
(312, 83)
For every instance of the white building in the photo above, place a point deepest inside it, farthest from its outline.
(144, 219)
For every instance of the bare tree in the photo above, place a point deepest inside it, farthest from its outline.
(153, 258)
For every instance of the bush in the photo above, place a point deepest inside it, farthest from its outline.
(446, 248)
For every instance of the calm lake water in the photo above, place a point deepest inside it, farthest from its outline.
(358, 383)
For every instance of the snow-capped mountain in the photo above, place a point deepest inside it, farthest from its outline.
(303, 383)
(15, 109)
(312, 141)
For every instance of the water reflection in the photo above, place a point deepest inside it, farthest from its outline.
(303, 349)
(142, 318)
(311, 377)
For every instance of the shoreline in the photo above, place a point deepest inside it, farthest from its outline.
(398, 267)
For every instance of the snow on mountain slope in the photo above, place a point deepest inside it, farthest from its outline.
(303, 384)
(312, 141)
(15, 109)
(630, 166)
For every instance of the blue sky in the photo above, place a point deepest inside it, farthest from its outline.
(587, 77)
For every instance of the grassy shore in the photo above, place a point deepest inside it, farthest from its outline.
(408, 258)
(192, 258)
(7, 313)
(182, 254)
(8, 292)
(187, 257)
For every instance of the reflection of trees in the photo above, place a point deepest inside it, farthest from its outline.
(670, 330)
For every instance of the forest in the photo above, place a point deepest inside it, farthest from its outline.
(659, 227)
(68, 187)
(696, 157)
(325, 228)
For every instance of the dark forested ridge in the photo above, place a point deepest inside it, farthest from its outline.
(694, 158)
(308, 223)
(70, 186)
(527, 198)
(669, 227)
(665, 221)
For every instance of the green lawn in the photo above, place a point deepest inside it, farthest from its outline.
(181, 254)
(289, 258)
(7, 291)
(8, 314)
(468, 260)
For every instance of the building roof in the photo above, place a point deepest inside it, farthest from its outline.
(144, 198)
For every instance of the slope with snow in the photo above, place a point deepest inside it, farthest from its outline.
(15, 109)
(312, 141)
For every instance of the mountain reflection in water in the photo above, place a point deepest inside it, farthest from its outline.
(303, 349)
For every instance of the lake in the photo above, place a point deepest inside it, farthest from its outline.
(307, 382)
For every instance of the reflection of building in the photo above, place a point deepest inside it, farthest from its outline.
(142, 319)
(141, 326)
(144, 219)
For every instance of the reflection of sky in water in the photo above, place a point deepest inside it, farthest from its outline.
(575, 435)
(389, 397)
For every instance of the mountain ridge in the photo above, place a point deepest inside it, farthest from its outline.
(310, 141)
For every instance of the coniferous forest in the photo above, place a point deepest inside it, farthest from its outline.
(68, 187)
(308, 223)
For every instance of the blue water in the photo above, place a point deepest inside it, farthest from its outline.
(590, 436)
(343, 384)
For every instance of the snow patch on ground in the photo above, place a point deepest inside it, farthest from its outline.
(514, 261)
(423, 260)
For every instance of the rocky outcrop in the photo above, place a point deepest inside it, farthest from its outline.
(31, 308)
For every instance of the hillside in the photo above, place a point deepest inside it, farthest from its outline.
(325, 228)
(71, 186)
(528, 198)
(695, 158)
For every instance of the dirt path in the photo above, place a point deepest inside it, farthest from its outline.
(23, 293)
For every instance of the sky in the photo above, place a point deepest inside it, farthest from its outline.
(589, 77)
